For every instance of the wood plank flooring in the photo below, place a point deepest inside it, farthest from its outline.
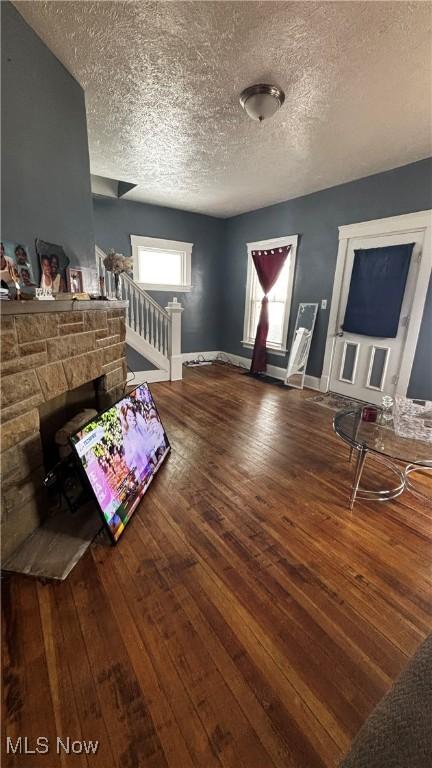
(247, 619)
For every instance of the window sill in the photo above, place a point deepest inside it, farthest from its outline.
(280, 351)
(166, 288)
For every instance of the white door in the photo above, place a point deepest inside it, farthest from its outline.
(366, 367)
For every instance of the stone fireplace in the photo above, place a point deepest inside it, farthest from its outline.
(49, 351)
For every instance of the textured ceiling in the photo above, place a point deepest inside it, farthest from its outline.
(162, 81)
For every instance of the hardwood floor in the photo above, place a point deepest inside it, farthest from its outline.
(247, 619)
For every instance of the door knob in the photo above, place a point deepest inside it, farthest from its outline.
(341, 333)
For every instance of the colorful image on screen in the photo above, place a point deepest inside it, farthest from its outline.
(121, 449)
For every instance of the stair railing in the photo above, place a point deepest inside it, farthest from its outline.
(160, 328)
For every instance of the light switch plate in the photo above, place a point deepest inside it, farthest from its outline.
(323, 303)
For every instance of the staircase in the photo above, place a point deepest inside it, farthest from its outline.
(153, 332)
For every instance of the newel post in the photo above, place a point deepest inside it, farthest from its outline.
(175, 310)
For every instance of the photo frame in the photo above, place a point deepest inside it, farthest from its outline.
(53, 263)
(15, 264)
(74, 280)
(90, 279)
(83, 280)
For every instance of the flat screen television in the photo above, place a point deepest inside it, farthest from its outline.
(121, 450)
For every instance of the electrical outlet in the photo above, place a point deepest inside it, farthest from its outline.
(323, 303)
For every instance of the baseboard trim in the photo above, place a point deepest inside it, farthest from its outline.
(150, 377)
(311, 382)
(272, 370)
(188, 357)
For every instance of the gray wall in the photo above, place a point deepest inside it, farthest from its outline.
(421, 375)
(116, 220)
(137, 362)
(44, 152)
(316, 219)
(46, 193)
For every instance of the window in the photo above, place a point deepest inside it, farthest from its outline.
(279, 297)
(161, 265)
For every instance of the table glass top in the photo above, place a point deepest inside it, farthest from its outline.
(381, 437)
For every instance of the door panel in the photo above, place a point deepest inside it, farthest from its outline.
(349, 362)
(378, 362)
(366, 367)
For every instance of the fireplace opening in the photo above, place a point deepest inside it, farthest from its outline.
(56, 412)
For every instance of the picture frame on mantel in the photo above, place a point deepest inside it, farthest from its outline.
(74, 278)
(83, 280)
(90, 280)
(16, 266)
(53, 263)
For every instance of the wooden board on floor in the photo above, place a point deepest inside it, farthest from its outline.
(55, 547)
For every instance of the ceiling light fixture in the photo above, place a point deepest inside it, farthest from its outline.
(261, 101)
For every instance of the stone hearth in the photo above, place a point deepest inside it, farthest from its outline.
(48, 348)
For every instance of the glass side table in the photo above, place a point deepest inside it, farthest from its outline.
(381, 440)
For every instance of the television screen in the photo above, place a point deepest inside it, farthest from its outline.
(120, 450)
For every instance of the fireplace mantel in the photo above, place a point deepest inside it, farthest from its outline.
(57, 305)
(48, 348)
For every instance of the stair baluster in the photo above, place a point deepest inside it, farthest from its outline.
(132, 308)
(147, 325)
(152, 333)
(142, 316)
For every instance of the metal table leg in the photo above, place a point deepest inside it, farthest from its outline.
(361, 456)
(409, 485)
(357, 424)
(383, 495)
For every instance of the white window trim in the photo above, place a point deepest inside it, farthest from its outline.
(265, 245)
(155, 243)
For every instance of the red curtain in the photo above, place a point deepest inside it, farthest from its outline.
(268, 265)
